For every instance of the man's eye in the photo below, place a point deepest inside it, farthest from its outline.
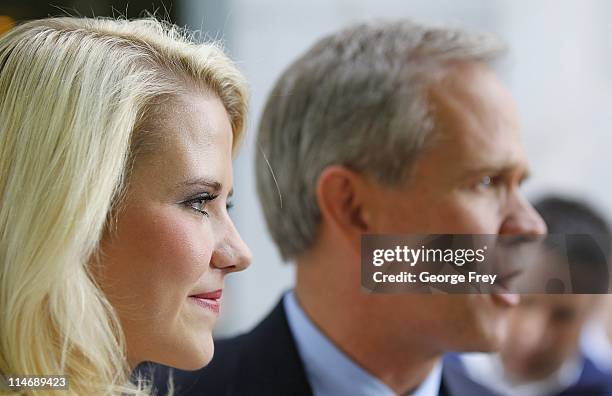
(485, 182)
(199, 203)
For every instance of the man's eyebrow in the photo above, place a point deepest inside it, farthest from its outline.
(503, 169)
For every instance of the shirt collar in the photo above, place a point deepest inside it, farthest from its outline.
(596, 345)
(330, 371)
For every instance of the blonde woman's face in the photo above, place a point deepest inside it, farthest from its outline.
(164, 265)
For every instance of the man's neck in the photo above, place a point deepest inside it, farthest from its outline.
(400, 366)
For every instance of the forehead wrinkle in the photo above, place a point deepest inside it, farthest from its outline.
(482, 132)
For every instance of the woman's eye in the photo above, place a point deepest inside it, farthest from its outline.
(199, 203)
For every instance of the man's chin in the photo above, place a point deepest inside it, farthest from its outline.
(496, 335)
(489, 326)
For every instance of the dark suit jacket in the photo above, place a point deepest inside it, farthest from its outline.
(592, 381)
(264, 361)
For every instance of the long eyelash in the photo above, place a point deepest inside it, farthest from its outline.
(201, 198)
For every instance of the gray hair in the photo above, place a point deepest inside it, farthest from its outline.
(357, 98)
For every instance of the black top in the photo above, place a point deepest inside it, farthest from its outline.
(262, 362)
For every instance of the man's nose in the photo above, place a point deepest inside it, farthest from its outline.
(522, 218)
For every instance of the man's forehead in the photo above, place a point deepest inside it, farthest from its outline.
(473, 152)
(475, 120)
(470, 87)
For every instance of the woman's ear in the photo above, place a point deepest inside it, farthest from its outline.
(342, 200)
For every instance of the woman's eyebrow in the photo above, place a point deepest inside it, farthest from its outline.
(202, 181)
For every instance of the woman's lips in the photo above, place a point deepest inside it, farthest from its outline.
(213, 295)
(209, 300)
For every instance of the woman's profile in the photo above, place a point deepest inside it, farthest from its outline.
(116, 142)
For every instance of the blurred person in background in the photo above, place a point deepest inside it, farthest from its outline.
(116, 144)
(596, 339)
(542, 355)
(382, 127)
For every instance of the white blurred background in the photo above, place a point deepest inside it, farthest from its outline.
(559, 69)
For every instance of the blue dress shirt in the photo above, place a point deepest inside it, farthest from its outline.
(330, 371)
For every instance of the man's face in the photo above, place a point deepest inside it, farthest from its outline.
(543, 333)
(466, 181)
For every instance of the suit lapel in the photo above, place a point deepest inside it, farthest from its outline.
(271, 364)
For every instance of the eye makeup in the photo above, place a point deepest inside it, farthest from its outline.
(198, 202)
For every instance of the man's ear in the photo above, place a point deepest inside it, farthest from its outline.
(341, 197)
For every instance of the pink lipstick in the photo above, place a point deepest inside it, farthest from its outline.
(208, 300)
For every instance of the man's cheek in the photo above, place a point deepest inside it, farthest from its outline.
(481, 218)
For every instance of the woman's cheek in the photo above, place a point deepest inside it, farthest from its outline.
(181, 249)
(167, 255)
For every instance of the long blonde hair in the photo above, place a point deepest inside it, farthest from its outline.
(72, 94)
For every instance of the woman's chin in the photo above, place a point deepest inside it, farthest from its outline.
(188, 356)
(196, 357)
